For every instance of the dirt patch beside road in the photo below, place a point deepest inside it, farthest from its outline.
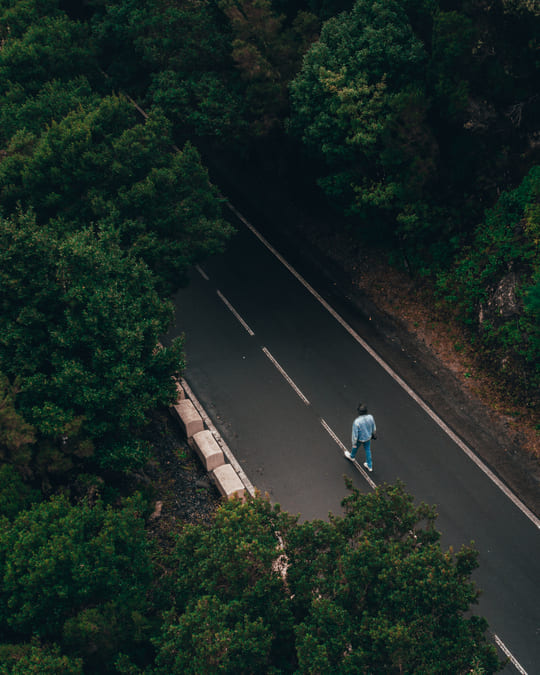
(181, 488)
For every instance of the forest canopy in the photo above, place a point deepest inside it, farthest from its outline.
(417, 122)
(83, 588)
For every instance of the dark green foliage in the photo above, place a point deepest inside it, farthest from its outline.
(373, 592)
(390, 98)
(215, 637)
(495, 286)
(452, 43)
(360, 101)
(323, 9)
(52, 102)
(266, 50)
(217, 69)
(232, 612)
(326, 9)
(99, 163)
(50, 47)
(180, 52)
(36, 659)
(16, 435)
(80, 321)
(368, 592)
(532, 301)
(19, 15)
(15, 494)
(77, 575)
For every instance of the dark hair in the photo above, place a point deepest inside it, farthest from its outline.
(362, 408)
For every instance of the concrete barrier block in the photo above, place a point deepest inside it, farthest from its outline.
(189, 418)
(228, 482)
(180, 393)
(208, 450)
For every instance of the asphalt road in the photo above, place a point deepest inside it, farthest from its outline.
(280, 376)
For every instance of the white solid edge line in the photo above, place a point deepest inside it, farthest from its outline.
(284, 374)
(517, 665)
(235, 313)
(215, 433)
(472, 456)
(343, 448)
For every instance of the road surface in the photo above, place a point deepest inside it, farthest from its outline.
(280, 374)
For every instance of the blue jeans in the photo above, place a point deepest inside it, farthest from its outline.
(367, 448)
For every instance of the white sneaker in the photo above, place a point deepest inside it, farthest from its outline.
(369, 468)
(348, 455)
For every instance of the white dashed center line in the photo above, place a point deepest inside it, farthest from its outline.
(202, 272)
(343, 448)
(235, 313)
(284, 374)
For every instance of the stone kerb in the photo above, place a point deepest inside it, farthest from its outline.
(180, 393)
(189, 418)
(228, 482)
(206, 447)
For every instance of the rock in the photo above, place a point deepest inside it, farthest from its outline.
(503, 302)
(157, 510)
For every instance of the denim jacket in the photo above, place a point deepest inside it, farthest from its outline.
(363, 429)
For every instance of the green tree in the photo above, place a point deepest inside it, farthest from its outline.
(175, 55)
(16, 435)
(219, 70)
(15, 494)
(451, 60)
(99, 163)
(493, 286)
(37, 659)
(373, 592)
(80, 322)
(323, 9)
(34, 112)
(267, 51)
(359, 102)
(77, 575)
(51, 46)
(532, 300)
(231, 612)
(370, 591)
(16, 16)
(419, 111)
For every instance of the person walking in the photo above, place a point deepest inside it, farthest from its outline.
(363, 430)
